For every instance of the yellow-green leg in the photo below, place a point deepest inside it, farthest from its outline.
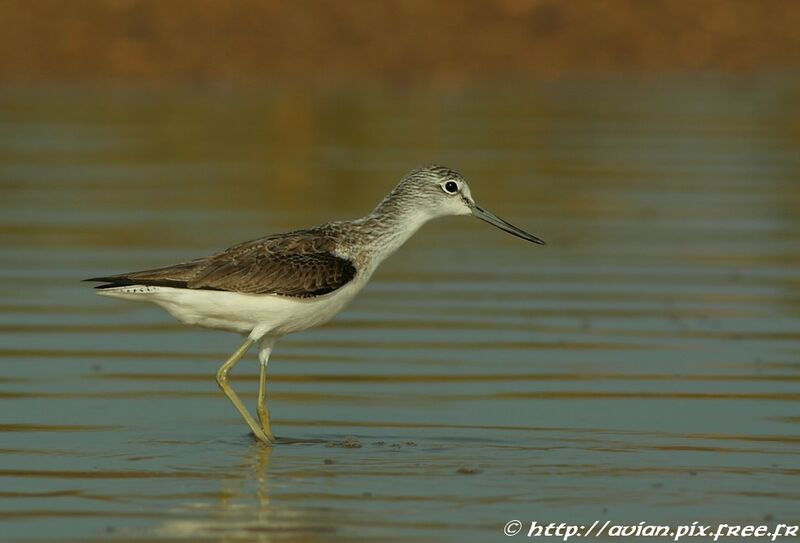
(263, 411)
(222, 381)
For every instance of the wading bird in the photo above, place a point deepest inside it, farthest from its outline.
(285, 283)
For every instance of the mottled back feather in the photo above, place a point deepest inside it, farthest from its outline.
(300, 264)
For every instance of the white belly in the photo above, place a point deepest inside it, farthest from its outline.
(253, 314)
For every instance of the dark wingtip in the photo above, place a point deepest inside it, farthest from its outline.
(124, 281)
(108, 282)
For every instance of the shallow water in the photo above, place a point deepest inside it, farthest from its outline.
(641, 367)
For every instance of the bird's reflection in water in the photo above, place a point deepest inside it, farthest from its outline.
(246, 509)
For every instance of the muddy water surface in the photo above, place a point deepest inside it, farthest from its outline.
(644, 366)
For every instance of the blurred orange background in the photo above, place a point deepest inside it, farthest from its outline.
(409, 41)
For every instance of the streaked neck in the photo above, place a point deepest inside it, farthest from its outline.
(388, 227)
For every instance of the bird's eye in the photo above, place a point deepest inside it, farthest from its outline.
(451, 187)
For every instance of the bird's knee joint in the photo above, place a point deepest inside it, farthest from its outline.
(222, 377)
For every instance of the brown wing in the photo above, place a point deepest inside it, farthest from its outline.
(294, 264)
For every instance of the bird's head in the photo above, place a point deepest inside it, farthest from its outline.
(439, 191)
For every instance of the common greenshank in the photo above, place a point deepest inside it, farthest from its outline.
(285, 283)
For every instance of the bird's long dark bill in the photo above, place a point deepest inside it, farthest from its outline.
(491, 218)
